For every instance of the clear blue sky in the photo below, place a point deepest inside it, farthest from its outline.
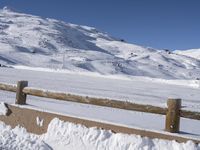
(171, 24)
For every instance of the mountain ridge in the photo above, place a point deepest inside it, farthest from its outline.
(43, 42)
(194, 53)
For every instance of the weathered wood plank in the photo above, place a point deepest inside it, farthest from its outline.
(190, 114)
(94, 101)
(8, 87)
(106, 102)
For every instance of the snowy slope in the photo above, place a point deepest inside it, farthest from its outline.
(37, 42)
(195, 53)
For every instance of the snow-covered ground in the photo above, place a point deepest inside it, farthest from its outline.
(42, 42)
(135, 89)
(64, 135)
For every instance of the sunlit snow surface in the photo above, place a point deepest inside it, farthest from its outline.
(136, 89)
(3, 108)
(64, 135)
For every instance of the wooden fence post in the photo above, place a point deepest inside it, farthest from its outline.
(172, 123)
(20, 96)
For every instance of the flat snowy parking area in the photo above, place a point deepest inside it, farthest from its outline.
(139, 90)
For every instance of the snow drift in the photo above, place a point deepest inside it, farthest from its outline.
(33, 41)
(65, 135)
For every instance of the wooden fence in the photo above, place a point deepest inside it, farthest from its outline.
(173, 112)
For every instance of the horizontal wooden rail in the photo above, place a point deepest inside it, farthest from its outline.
(94, 101)
(8, 87)
(190, 114)
(105, 102)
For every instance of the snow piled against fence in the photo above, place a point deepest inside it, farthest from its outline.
(64, 135)
(19, 139)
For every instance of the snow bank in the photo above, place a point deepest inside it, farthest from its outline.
(64, 135)
(3, 109)
(19, 139)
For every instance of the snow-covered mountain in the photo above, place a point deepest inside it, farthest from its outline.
(37, 42)
(195, 53)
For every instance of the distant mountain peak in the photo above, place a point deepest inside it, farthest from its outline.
(194, 53)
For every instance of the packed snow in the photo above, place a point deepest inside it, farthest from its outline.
(33, 41)
(137, 90)
(64, 135)
(3, 108)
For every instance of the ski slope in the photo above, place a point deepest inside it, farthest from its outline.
(28, 40)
